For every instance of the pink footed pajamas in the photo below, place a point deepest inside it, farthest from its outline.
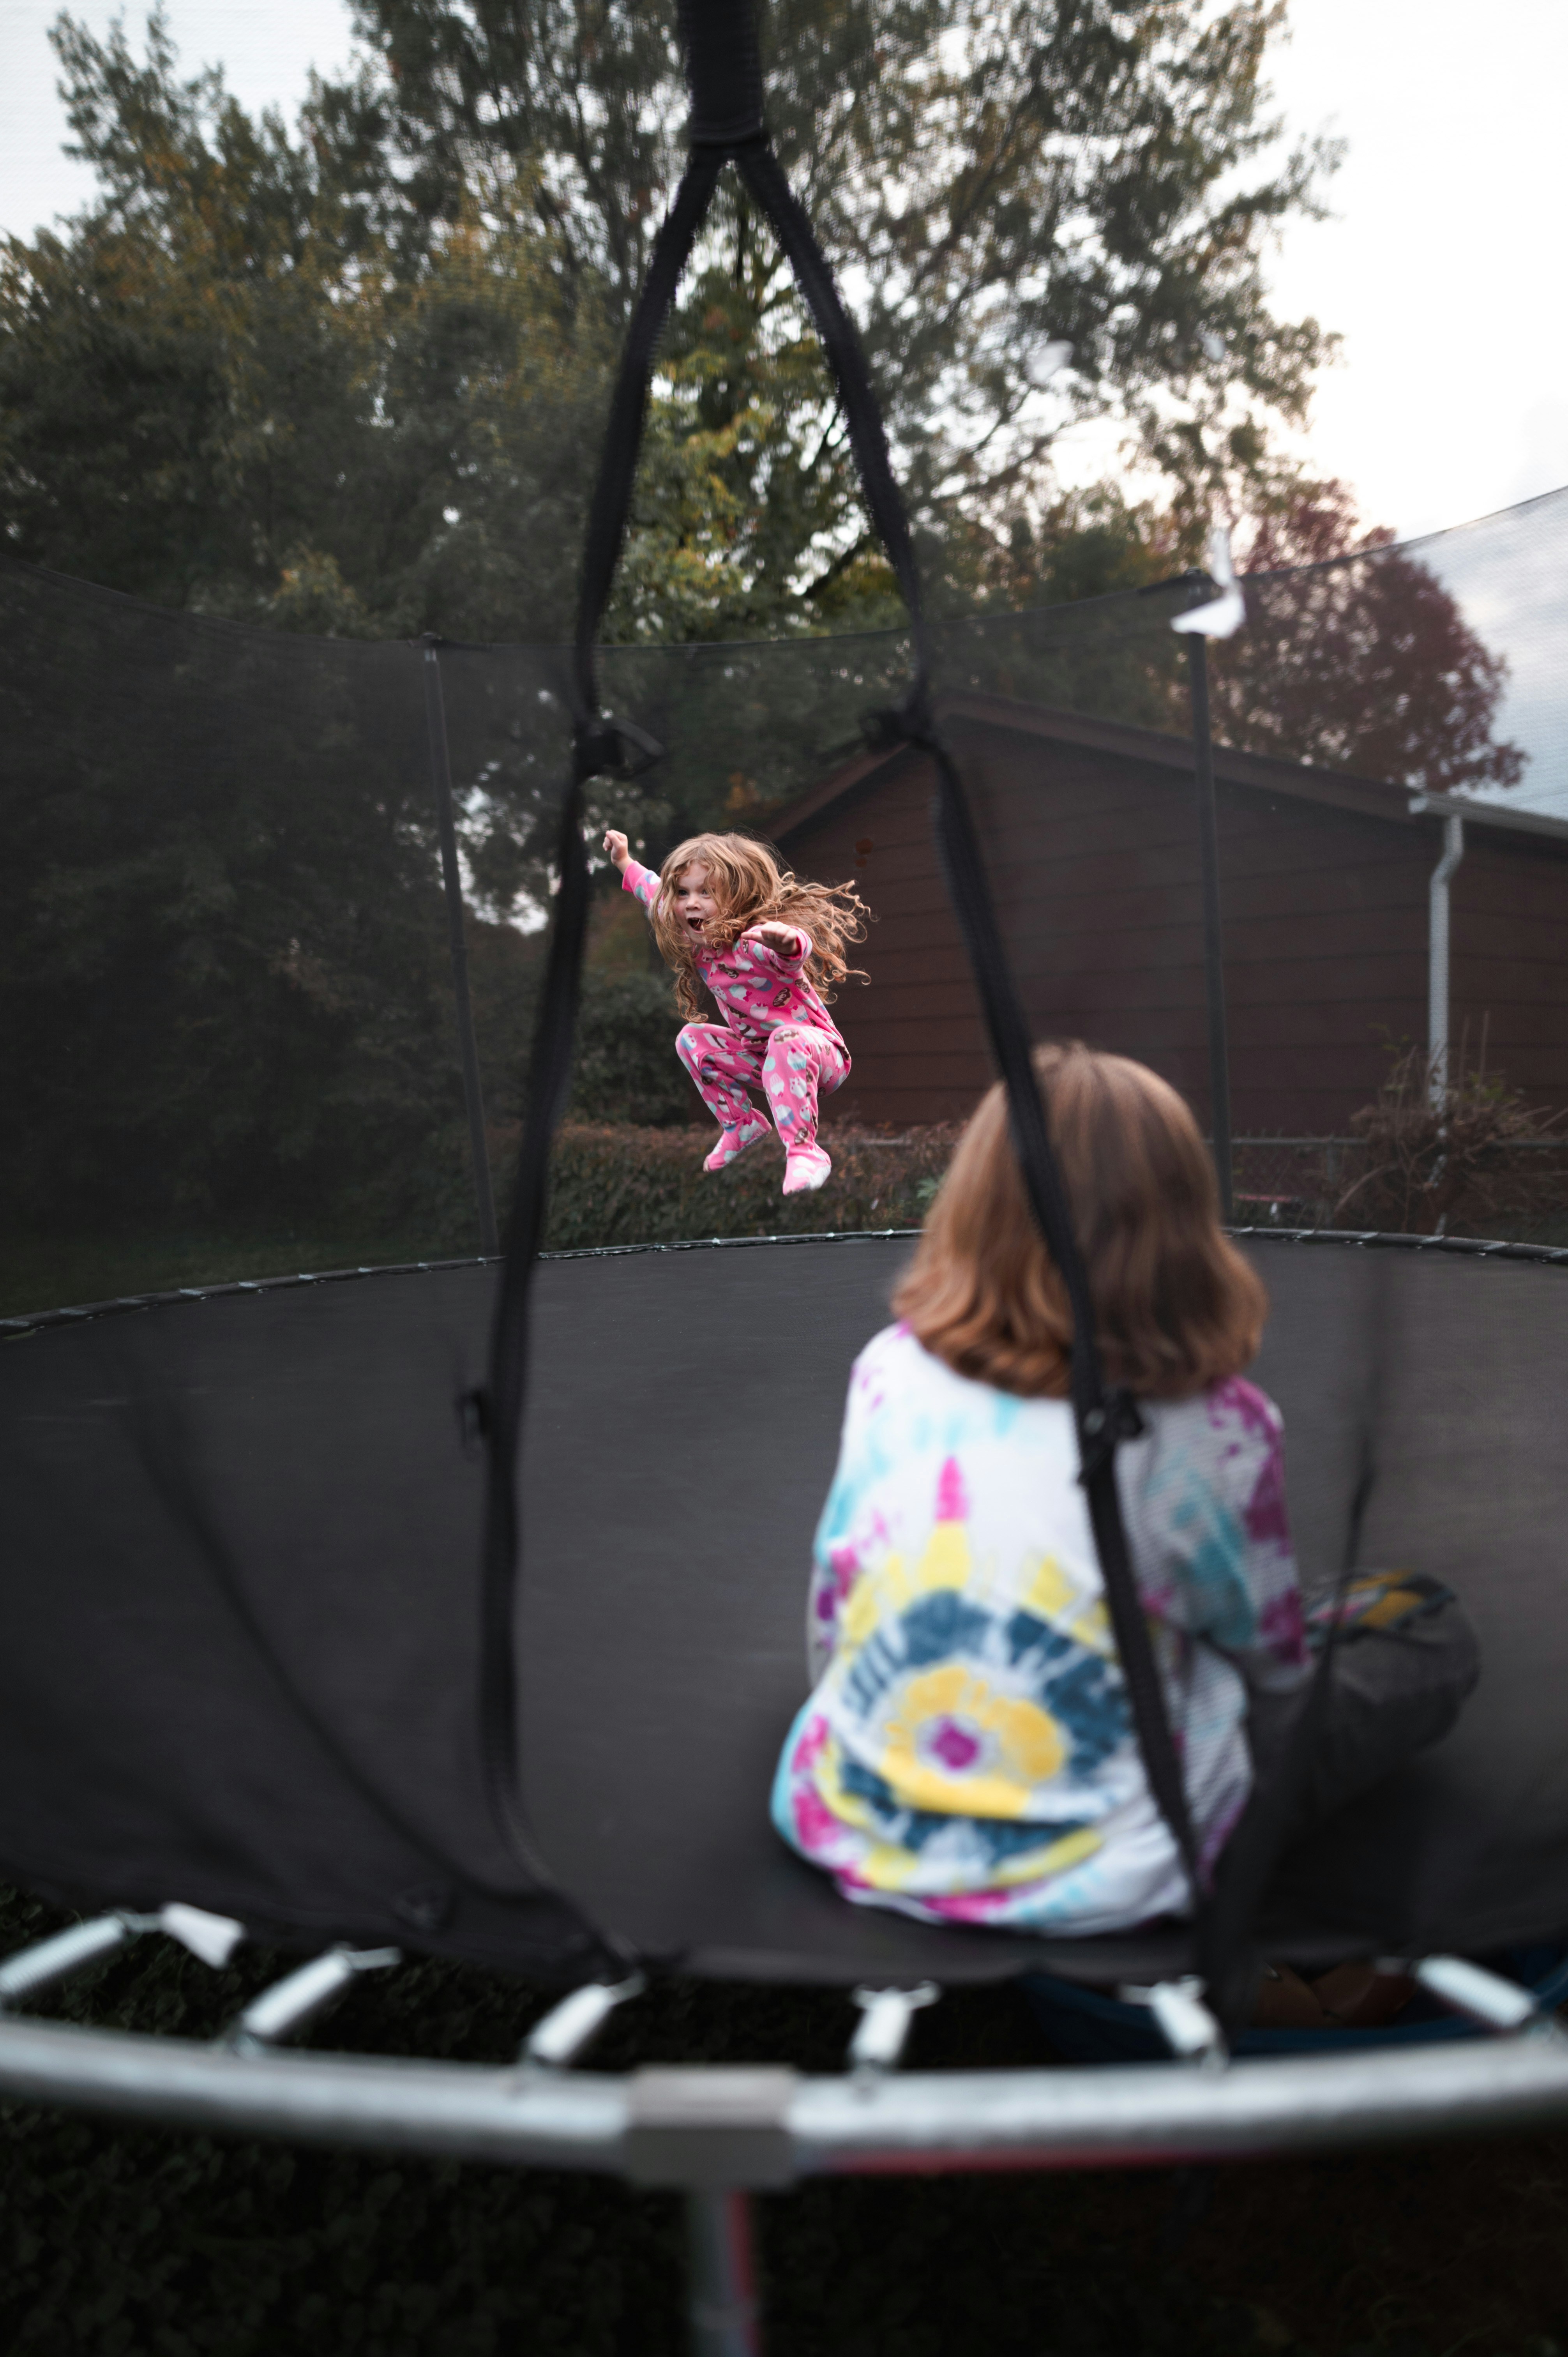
(776, 1031)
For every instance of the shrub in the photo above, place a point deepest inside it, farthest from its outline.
(1446, 1159)
(614, 1184)
(626, 1068)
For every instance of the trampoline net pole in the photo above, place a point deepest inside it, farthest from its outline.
(472, 1098)
(1213, 943)
(722, 2283)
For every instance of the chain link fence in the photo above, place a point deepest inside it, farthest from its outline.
(1516, 1190)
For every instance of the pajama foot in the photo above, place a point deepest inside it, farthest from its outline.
(805, 1168)
(733, 1144)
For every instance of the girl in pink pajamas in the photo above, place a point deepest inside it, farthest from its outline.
(726, 916)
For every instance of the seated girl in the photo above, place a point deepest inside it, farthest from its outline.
(968, 1754)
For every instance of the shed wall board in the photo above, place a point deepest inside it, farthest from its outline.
(1094, 866)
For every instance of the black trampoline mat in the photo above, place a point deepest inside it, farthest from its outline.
(240, 1591)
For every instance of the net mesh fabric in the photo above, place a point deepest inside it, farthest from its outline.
(228, 999)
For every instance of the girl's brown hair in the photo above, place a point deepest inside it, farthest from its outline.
(1177, 1307)
(749, 888)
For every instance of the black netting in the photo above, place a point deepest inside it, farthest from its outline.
(229, 1022)
(234, 1024)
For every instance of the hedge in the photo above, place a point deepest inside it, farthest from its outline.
(613, 1184)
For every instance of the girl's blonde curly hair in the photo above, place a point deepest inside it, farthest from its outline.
(749, 888)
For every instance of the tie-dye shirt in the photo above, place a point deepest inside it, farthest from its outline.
(757, 988)
(968, 1754)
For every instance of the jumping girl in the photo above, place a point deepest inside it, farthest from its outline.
(968, 1754)
(766, 945)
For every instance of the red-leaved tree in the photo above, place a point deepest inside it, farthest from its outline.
(1361, 662)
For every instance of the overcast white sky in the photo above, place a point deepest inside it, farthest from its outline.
(1440, 269)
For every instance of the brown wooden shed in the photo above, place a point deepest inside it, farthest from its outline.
(1090, 833)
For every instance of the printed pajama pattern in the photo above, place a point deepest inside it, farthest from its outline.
(794, 1067)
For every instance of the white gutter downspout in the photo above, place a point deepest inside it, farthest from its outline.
(1437, 944)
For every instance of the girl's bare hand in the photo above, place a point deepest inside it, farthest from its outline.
(616, 845)
(782, 938)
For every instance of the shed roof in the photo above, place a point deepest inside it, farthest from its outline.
(1370, 796)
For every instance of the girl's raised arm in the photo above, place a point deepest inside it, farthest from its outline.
(643, 882)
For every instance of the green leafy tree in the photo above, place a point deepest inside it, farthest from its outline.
(991, 182)
(349, 377)
(219, 389)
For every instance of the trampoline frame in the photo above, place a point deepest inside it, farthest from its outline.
(718, 2134)
(1369, 1239)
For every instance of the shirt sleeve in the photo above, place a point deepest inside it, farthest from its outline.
(1226, 1565)
(641, 881)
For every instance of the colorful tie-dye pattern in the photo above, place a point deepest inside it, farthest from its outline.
(776, 1033)
(968, 1754)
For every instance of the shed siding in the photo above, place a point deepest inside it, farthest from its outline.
(1094, 863)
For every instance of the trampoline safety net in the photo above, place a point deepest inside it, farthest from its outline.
(243, 1595)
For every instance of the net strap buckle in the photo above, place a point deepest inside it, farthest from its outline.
(615, 747)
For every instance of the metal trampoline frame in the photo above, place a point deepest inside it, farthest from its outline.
(1368, 1239)
(720, 2134)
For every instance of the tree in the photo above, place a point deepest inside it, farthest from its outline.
(351, 378)
(988, 180)
(219, 390)
(1355, 656)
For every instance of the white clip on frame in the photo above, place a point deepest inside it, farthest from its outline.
(1184, 2021)
(285, 2009)
(34, 1968)
(213, 1938)
(1480, 1996)
(1223, 616)
(568, 2028)
(885, 2019)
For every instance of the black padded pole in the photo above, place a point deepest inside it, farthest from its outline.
(473, 1095)
(1213, 938)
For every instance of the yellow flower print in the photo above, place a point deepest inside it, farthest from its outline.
(956, 1746)
(885, 1868)
(1092, 1628)
(867, 1602)
(1049, 1591)
(946, 1561)
(1055, 1857)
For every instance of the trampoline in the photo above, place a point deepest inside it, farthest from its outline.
(326, 1620)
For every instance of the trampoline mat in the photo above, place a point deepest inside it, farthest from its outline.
(240, 1598)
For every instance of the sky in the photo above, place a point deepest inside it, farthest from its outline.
(1437, 265)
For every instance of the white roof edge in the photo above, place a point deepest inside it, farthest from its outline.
(1481, 813)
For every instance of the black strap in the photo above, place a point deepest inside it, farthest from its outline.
(724, 69)
(724, 80)
(764, 175)
(549, 1076)
(1227, 1959)
(1104, 1418)
(623, 435)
